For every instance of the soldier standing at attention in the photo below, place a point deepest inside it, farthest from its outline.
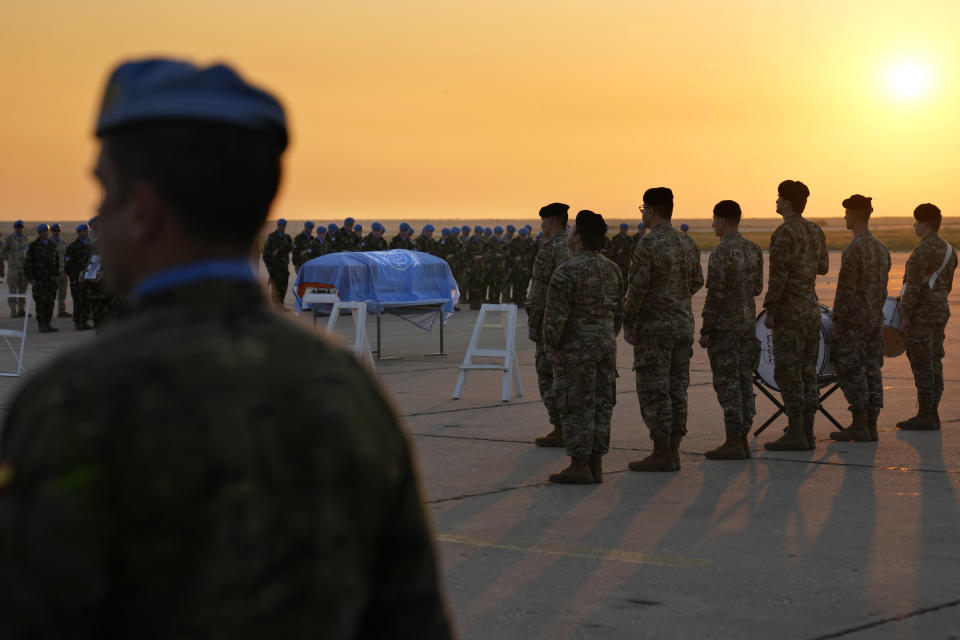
(303, 246)
(276, 256)
(78, 253)
(621, 248)
(14, 251)
(734, 278)
(581, 320)
(425, 242)
(553, 252)
(41, 267)
(374, 240)
(658, 321)
(927, 281)
(857, 342)
(190, 497)
(798, 253)
(61, 276)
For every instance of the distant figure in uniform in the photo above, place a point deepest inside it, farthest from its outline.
(798, 253)
(77, 255)
(61, 276)
(581, 320)
(276, 257)
(857, 343)
(425, 242)
(303, 246)
(553, 252)
(658, 321)
(475, 255)
(924, 306)
(14, 251)
(621, 248)
(641, 231)
(41, 267)
(374, 241)
(192, 496)
(685, 228)
(728, 333)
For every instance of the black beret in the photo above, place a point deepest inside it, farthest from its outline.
(858, 202)
(793, 190)
(554, 209)
(727, 209)
(590, 223)
(658, 197)
(927, 213)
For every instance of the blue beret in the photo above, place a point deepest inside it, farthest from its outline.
(455, 231)
(404, 226)
(498, 229)
(332, 227)
(348, 222)
(321, 229)
(42, 227)
(429, 227)
(488, 231)
(308, 225)
(82, 227)
(478, 229)
(511, 228)
(55, 226)
(376, 226)
(281, 221)
(641, 226)
(18, 223)
(523, 231)
(445, 231)
(162, 89)
(684, 227)
(358, 227)
(465, 228)
(624, 225)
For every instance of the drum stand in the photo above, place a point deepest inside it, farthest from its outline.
(829, 382)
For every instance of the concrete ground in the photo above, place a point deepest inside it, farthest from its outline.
(852, 540)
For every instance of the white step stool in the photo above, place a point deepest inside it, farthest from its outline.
(7, 334)
(510, 365)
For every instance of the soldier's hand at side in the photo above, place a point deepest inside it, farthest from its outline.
(631, 336)
(532, 334)
(768, 321)
(705, 341)
(554, 358)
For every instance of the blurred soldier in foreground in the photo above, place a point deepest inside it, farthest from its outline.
(798, 253)
(857, 342)
(276, 256)
(553, 252)
(927, 281)
(658, 321)
(78, 253)
(42, 266)
(581, 320)
(191, 497)
(61, 276)
(734, 278)
(14, 251)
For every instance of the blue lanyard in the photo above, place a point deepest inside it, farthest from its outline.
(237, 270)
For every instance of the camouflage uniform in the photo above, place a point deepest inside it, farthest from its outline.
(302, 249)
(425, 245)
(401, 241)
(581, 320)
(372, 242)
(515, 258)
(495, 269)
(42, 266)
(276, 256)
(664, 273)
(475, 251)
(76, 257)
(551, 255)
(798, 253)
(346, 240)
(194, 497)
(621, 248)
(14, 251)
(734, 278)
(857, 341)
(928, 310)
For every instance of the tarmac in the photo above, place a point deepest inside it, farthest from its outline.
(850, 540)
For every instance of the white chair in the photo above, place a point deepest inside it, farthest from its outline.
(511, 364)
(8, 334)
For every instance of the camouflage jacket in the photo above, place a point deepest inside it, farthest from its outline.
(77, 255)
(862, 283)
(798, 253)
(43, 261)
(551, 255)
(621, 248)
(276, 250)
(302, 249)
(919, 303)
(373, 242)
(61, 250)
(425, 245)
(401, 242)
(14, 250)
(664, 273)
(202, 491)
(584, 309)
(734, 278)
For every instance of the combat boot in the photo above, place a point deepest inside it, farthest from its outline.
(808, 419)
(793, 439)
(856, 432)
(675, 449)
(732, 449)
(873, 414)
(925, 420)
(577, 473)
(552, 439)
(596, 468)
(660, 460)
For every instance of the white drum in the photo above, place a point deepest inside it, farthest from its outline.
(893, 344)
(765, 336)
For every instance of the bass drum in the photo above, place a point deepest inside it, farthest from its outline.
(893, 344)
(765, 336)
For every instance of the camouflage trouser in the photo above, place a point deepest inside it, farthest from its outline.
(857, 354)
(44, 296)
(795, 348)
(733, 359)
(925, 352)
(545, 381)
(17, 282)
(518, 289)
(662, 367)
(81, 306)
(585, 387)
(478, 290)
(494, 289)
(279, 279)
(62, 292)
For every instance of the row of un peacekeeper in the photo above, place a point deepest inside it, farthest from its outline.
(580, 301)
(47, 264)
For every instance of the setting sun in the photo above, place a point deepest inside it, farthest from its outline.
(908, 79)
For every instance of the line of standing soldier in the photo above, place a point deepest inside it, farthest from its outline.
(657, 319)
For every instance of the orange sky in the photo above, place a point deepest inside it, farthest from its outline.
(436, 108)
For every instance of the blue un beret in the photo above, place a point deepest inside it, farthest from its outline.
(358, 227)
(308, 225)
(478, 229)
(321, 229)
(624, 225)
(348, 222)
(429, 227)
(523, 231)
(332, 227)
(684, 227)
(42, 227)
(82, 227)
(445, 231)
(18, 223)
(162, 89)
(465, 229)
(488, 231)
(55, 226)
(511, 228)
(281, 222)
(498, 229)
(376, 226)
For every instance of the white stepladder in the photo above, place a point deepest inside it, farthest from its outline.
(7, 334)
(361, 345)
(510, 365)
